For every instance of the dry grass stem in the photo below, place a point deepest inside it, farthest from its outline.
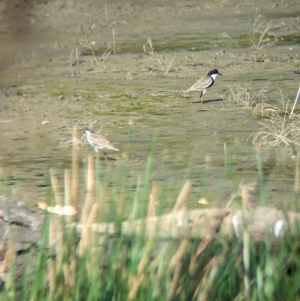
(179, 253)
(176, 263)
(246, 261)
(90, 184)
(9, 255)
(75, 140)
(75, 57)
(263, 35)
(89, 210)
(98, 62)
(248, 192)
(164, 63)
(267, 111)
(153, 201)
(93, 214)
(51, 276)
(295, 102)
(297, 174)
(114, 40)
(244, 97)
(75, 180)
(67, 187)
(278, 132)
(55, 187)
(143, 264)
(206, 282)
(134, 289)
(180, 203)
(204, 243)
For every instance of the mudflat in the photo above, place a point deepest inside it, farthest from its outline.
(123, 67)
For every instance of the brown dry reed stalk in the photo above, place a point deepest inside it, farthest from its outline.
(164, 63)
(89, 200)
(75, 180)
(204, 243)
(207, 280)
(176, 260)
(52, 267)
(225, 154)
(278, 132)
(262, 33)
(6, 267)
(176, 264)
(246, 261)
(88, 204)
(68, 193)
(67, 187)
(97, 61)
(55, 187)
(135, 288)
(144, 262)
(243, 96)
(152, 201)
(114, 39)
(76, 60)
(51, 276)
(181, 200)
(248, 193)
(295, 102)
(297, 174)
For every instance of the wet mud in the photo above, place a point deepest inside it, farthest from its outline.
(77, 63)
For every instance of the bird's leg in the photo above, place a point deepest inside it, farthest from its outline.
(105, 156)
(201, 97)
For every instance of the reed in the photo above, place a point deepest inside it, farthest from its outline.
(82, 263)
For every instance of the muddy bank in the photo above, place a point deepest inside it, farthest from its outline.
(46, 89)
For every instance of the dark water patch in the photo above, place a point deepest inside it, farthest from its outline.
(292, 39)
(44, 185)
(282, 14)
(195, 42)
(177, 42)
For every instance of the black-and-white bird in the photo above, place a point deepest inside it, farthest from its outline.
(204, 83)
(98, 142)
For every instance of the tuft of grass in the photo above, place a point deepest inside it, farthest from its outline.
(164, 63)
(262, 33)
(243, 96)
(279, 131)
(282, 127)
(95, 61)
(130, 260)
(75, 57)
(72, 140)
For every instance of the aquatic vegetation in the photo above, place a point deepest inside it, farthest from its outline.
(150, 255)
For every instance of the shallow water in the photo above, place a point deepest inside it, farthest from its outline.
(140, 107)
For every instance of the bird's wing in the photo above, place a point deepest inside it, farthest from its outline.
(103, 143)
(97, 140)
(200, 84)
(110, 146)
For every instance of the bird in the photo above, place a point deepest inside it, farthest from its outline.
(204, 83)
(98, 142)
